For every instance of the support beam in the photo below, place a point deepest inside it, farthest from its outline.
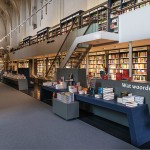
(130, 59)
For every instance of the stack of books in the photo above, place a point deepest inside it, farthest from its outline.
(131, 101)
(98, 95)
(107, 90)
(139, 99)
(126, 99)
(108, 94)
(131, 104)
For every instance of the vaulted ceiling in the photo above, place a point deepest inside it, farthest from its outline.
(6, 9)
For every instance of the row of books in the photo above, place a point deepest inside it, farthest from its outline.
(140, 54)
(113, 61)
(139, 78)
(139, 66)
(96, 66)
(140, 72)
(139, 60)
(124, 60)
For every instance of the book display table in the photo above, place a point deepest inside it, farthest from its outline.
(138, 117)
(66, 110)
(46, 93)
(22, 84)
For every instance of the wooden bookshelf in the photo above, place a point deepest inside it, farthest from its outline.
(122, 6)
(23, 64)
(113, 63)
(42, 35)
(115, 6)
(41, 67)
(139, 67)
(66, 23)
(96, 63)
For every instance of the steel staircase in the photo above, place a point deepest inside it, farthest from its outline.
(77, 49)
(59, 58)
(56, 62)
(78, 54)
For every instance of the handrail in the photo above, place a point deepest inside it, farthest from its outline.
(131, 6)
(60, 48)
(96, 7)
(58, 26)
(72, 16)
(134, 5)
(59, 31)
(83, 14)
(89, 24)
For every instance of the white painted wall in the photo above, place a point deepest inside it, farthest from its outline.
(14, 39)
(135, 25)
(93, 3)
(72, 6)
(2, 33)
(56, 10)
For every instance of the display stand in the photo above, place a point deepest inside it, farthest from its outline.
(138, 117)
(66, 110)
(79, 75)
(46, 93)
(22, 84)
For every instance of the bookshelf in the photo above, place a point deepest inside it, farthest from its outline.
(26, 41)
(94, 62)
(124, 59)
(34, 40)
(71, 63)
(42, 35)
(55, 65)
(102, 19)
(85, 19)
(127, 5)
(115, 6)
(139, 61)
(41, 67)
(99, 15)
(1, 65)
(13, 66)
(113, 63)
(118, 60)
(53, 32)
(84, 63)
(122, 6)
(141, 3)
(23, 64)
(66, 23)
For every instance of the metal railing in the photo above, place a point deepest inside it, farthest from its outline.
(99, 13)
(81, 21)
(60, 48)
